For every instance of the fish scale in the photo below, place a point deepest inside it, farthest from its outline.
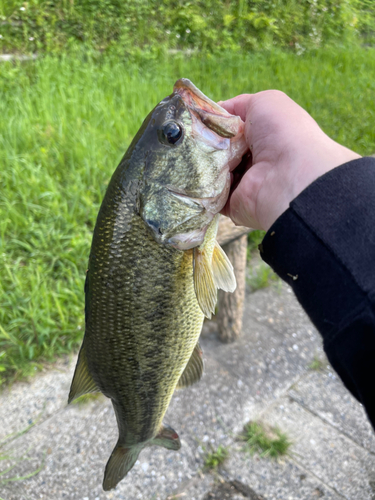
(140, 303)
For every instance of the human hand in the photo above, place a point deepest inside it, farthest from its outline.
(289, 151)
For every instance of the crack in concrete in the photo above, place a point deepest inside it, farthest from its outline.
(340, 431)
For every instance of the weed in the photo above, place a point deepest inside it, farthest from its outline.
(260, 275)
(13, 466)
(216, 458)
(268, 442)
(316, 364)
(253, 241)
(7, 456)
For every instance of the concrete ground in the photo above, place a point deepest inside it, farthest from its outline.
(275, 373)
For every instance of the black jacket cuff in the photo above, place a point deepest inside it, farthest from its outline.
(324, 247)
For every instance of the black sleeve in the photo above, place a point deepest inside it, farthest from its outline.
(324, 247)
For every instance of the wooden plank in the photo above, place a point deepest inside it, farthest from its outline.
(228, 231)
(230, 305)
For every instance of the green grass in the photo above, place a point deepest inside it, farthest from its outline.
(254, 239)
(216, 458)
(260, 275)
(268, 442)
(317, 364)
(9, 470)
(65, 124)
(139, 26)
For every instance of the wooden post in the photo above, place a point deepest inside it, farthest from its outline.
(233, 239)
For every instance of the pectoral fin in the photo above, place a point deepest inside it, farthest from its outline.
(82, 382)
(222, 269)
(204, 284)
(193, 370)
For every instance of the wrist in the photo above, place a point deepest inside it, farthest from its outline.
(296, 177)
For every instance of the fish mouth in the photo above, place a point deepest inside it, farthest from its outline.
(218, 128)
(210, 113)
(188, 240)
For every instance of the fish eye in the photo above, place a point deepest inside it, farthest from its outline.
(172, 132)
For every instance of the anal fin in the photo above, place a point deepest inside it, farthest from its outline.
(167, 438)
(82, 382)
(193, 370)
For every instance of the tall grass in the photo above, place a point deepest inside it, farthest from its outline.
(65, 124)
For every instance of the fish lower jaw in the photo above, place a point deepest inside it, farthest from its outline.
(187, 241)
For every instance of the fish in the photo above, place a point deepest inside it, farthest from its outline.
(155, 267)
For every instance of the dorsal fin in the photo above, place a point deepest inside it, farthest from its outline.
(222, 269)
(82, 382)
(193, 370)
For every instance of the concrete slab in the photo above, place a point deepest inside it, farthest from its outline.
(253, 378)
(283, 479)
(323, 451)
(25, 403)
(323, 394)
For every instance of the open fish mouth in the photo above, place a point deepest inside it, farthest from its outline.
(209, 112)
(212, 123)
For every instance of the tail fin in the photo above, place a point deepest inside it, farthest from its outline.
(119, 464)
(123, 458)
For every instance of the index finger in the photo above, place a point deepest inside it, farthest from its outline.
(237, 105)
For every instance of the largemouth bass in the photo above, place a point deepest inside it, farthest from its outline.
(155, 266)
